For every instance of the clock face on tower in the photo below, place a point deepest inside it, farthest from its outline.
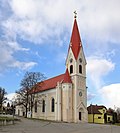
(80, 93)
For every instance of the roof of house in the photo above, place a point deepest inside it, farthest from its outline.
(52, 82)
(94, 109)
(110, 111)
(75, 42)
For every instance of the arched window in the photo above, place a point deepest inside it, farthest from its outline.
(43, 106)
(29, 106)
(53, 105)
(36, 106)
(80, 69)
(71, 69)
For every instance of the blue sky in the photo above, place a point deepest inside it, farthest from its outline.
(35, 35)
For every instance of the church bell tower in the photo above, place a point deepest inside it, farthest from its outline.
(76, 65)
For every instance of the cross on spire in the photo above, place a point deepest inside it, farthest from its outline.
(75, 14)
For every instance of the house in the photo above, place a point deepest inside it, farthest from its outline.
(64, 97)
(108, 117)
(98, 114)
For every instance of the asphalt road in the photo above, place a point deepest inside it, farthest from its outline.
(36, 126)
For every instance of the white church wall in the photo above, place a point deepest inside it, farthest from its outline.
(47, 96)
(20, 110)
(67, 102)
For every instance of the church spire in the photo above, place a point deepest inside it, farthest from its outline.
(75, 42)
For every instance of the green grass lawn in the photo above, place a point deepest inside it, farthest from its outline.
(118, 124)
(2, 118)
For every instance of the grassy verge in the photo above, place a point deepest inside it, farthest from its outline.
(3, 118)
(39, 119)
(117, 124)
(43, 120)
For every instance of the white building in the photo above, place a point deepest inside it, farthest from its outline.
(64, 97)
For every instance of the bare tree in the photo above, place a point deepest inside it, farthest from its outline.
(22, 98)
(2, 97)
(114, 115)
(118, 114)
(26, 94)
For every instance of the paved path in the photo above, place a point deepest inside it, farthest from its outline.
(36, 126)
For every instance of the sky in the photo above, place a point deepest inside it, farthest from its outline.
(35, 35)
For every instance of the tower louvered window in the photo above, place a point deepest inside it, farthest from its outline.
(71, 69)
(80, 69)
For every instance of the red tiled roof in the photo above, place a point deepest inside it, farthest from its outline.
(75, 42)
(52, 82)
(67, 78)
(94, 109)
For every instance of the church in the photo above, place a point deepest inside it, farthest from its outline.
(64, 97)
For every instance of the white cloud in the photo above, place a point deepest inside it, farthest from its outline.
(39, 21)
(23, 8)
(11, 96)
(23, 65)
(97, 68)
(101, 22)
(7, 60)
(36, 21)
(90, 96)
(16, 47)
(111, 95)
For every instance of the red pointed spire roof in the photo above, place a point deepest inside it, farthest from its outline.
(75, 42)
(67, 78)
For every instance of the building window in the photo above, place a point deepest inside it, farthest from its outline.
(71, 69)
(99, 117)
(29, 106)
(36, 106)
(53, 105)
(43, 106)
(80, 116)
(80, 69)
